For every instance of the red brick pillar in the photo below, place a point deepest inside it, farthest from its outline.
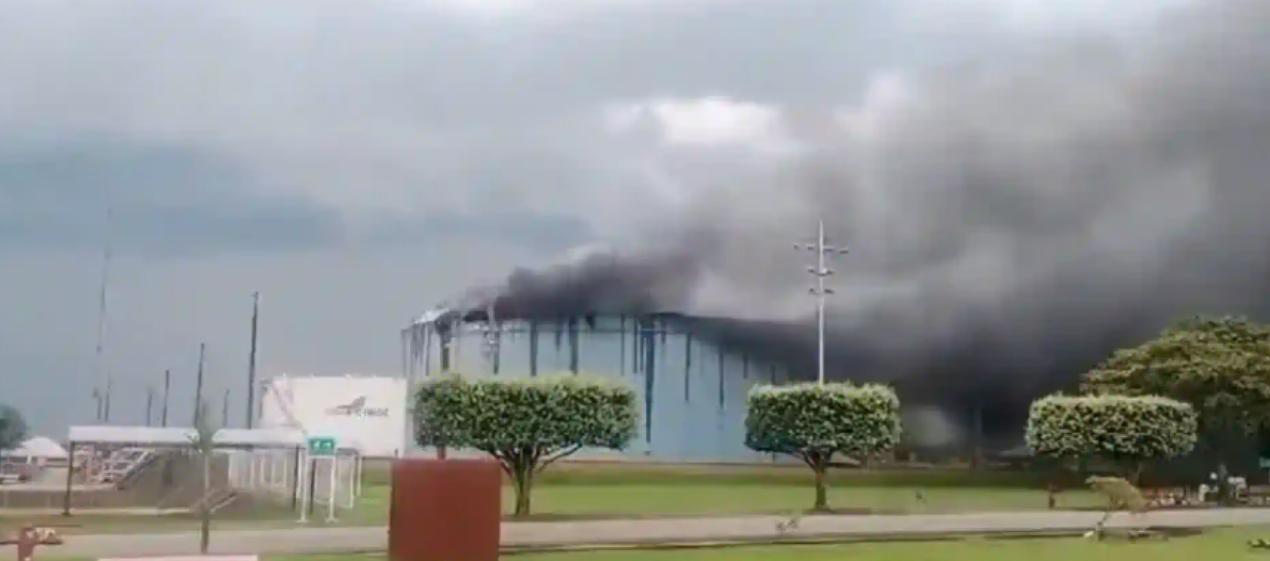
(444, 510)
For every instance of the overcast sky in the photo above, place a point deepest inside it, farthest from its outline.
(359, 162)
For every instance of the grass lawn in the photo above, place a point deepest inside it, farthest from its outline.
(609, 490)
(704, 498)
(1224, 545)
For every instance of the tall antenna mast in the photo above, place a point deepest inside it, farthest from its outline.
(103, 409)
(820, 271)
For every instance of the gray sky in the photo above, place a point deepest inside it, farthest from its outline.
(357, 163)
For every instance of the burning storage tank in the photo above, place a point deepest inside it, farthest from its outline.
(693, 390)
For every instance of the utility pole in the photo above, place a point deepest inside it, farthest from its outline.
(167, 388)
(820, 271)
(224, 409)
(149, 403)
(106, 409)
(251, 365)
(198, 387)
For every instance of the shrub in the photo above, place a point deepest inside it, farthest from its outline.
(1121, 428)
(526, 424)
(813, 422)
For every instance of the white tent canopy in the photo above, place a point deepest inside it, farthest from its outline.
(38, 447)
(177, 436)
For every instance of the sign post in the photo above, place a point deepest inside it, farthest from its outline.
(321, 446)
(324, 447)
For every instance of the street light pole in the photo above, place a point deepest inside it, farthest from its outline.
(820, 271)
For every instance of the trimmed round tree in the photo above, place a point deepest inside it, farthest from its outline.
(526, 424)
(435, 424)
(812, 422)
(1129, 430)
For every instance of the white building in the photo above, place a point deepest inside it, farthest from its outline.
(365, 413)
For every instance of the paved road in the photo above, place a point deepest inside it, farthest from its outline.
(665, 530)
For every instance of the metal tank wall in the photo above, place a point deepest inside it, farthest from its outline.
(692, 393)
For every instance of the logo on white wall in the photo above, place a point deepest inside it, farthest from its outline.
(357, 408)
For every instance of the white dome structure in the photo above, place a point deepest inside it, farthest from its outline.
(38, 447)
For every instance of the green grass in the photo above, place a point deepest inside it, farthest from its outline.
(630, 473)
(1224, 545)
(704, 498)
(554, 501)
(623, 490)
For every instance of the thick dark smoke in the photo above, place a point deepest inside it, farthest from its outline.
(600, 283)
(1011, 222)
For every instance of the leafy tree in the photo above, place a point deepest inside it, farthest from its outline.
(526, 424)
(812, 422)
(12, 427)
(1221, 366)
(433, 425)
(1127, 429)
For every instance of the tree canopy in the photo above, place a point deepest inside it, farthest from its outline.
(526, 424)
(812, 422)
(1123, 428)
(1221, 366)
(12, 427)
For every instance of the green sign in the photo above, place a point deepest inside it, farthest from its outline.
(1264, 462)
(321, 446)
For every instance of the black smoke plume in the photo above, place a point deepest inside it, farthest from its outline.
(1012, 221)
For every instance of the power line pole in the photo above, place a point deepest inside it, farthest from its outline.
(167, 388)
(198, 388)
(224, 409)
(97, 398)
(820, 271)
(149, 403)
(106, 409)
(251, 365)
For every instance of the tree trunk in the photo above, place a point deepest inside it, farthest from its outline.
(524, 485)
(818, 463)
(441, 452)
(822, 501)
(1135, 476)
(205, 529)
(205, 536)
